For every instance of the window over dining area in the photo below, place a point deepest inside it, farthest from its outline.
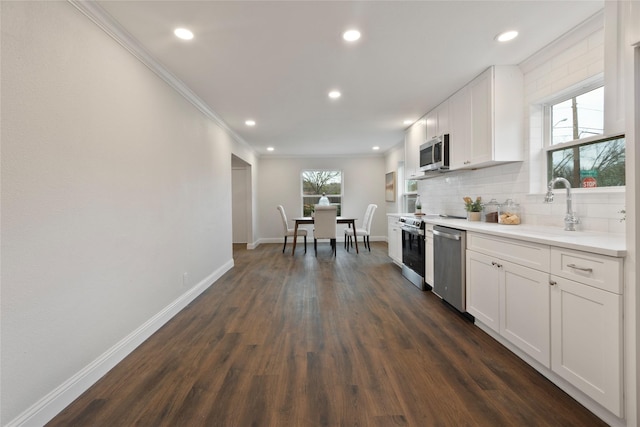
(315, 183)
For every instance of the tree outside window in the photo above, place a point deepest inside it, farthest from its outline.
(317, 182)
(596, 164)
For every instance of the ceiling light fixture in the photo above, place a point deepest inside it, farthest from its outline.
(250, 122)
(351, 35)
(506, 36)
(270, 148)
(183, 33)
(407, 122)
(375, 148)
(334, 94)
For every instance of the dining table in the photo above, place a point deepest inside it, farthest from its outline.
(309, 220)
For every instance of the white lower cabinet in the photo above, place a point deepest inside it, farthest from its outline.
(525, 310)
(586, 327)
(483, 289)
(563, 309)
(428, 252)
(512, 300)
(394, 239)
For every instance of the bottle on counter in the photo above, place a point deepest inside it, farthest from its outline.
(418, 205)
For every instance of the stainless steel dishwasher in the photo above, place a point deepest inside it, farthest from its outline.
(449, 272)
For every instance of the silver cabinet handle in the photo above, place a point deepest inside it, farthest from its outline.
(587, 269)
(553, 282)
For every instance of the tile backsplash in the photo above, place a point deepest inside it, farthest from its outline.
(598, 211)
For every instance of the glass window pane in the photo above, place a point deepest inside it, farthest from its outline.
(562, 119)
(317, 182)
(595, 164)
(579, 117)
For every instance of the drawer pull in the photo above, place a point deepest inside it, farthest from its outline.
(553, 282)
(588, 270)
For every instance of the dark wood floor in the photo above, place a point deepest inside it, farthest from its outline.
(305, 341)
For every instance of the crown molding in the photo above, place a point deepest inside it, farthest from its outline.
(109, 25)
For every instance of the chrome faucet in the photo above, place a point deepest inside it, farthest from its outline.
(570, 220)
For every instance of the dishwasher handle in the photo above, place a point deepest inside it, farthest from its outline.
(446, 235)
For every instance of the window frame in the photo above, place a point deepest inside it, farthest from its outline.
(565, 96)
(546, 137)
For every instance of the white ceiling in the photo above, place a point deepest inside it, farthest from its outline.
(275, 61)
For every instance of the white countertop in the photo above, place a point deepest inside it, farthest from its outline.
(611, 244)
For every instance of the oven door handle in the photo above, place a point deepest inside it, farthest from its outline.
(415, 232)
(446, 235)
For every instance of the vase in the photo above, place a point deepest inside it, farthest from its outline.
(473, 216)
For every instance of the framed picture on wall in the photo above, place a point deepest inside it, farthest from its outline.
(390, 187)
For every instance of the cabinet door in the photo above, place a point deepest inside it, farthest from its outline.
(428, 251)
(394, 241)
(443, 117)
(414, 137)
(481, 90)
(586, 340)
(460, 129)
(431, 122)
(483, 289)
(525, 310)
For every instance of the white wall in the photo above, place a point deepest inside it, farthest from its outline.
(280, 184)
(392, 158)
(564, 67)
(243, 152)
(113, 186)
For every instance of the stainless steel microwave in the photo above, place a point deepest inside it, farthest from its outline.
(434, 154)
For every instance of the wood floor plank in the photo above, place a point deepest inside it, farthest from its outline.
(327, 341)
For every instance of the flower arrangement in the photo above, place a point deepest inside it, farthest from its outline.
(471, 206)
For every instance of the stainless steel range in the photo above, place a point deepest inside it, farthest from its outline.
(413, 255)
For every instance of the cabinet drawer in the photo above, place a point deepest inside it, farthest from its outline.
(532, 255)
(600, 271)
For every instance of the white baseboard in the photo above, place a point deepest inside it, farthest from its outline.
(50, 405)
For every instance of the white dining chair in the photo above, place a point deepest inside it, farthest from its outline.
(291, 231)
(365, 231)
(324, 226)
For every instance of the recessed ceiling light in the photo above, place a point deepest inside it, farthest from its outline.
(375, 148)
(270, 148)
(334, 94)
(250, 122)
(506, 36)
(183, 33)
(351, 35)
(407, 122)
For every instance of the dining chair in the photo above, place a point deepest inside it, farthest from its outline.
(365, 231)
(291, 231)
(324, 226)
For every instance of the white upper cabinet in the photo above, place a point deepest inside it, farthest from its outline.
(486, 119)
(437, 121)
(460, 128)
(634, 16)
(414, 136)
